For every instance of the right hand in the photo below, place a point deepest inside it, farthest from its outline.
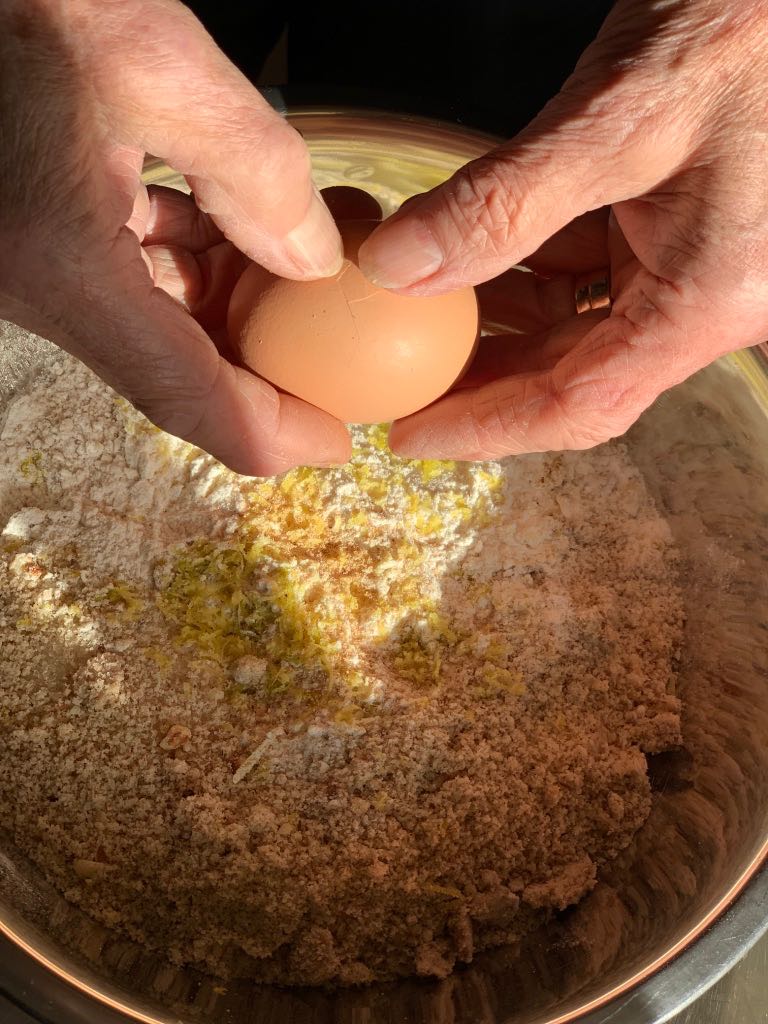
(650, 164)
(87, 87)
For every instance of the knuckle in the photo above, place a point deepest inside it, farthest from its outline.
(502, 414)
(272, 166)
(261, 464)
(181, 417)
(283, 155)
(542, 413)
(576, 427)
(596, 398)
(484, 206)
(175, 405)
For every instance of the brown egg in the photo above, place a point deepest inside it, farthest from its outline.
(361, 353)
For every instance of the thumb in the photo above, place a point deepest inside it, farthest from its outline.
(249, 169)
(596, 143)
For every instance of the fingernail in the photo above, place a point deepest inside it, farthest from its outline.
(315, 244)
(400, 254)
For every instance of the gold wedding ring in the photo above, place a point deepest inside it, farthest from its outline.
(593, 292)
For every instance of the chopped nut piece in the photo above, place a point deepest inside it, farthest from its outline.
(176, 737)
(90, 869)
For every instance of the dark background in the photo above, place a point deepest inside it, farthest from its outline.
(490, 64)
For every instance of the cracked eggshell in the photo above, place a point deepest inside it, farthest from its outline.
(361, 353)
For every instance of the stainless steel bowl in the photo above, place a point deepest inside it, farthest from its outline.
(690, 895)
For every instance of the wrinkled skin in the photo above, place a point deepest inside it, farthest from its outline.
(653, 161)
(88, 257)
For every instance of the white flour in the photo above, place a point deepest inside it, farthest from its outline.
(350, 724)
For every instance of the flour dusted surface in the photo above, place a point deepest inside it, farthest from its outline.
(346, 725)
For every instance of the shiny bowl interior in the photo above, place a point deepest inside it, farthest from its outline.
(703, 449)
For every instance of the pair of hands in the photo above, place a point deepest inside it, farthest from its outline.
(650, 161)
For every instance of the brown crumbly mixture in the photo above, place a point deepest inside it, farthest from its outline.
(350, 725)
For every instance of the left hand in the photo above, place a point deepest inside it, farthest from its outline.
(86, 89)
(651, 161)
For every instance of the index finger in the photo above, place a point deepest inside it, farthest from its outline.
(177, 96)
(595, 391)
